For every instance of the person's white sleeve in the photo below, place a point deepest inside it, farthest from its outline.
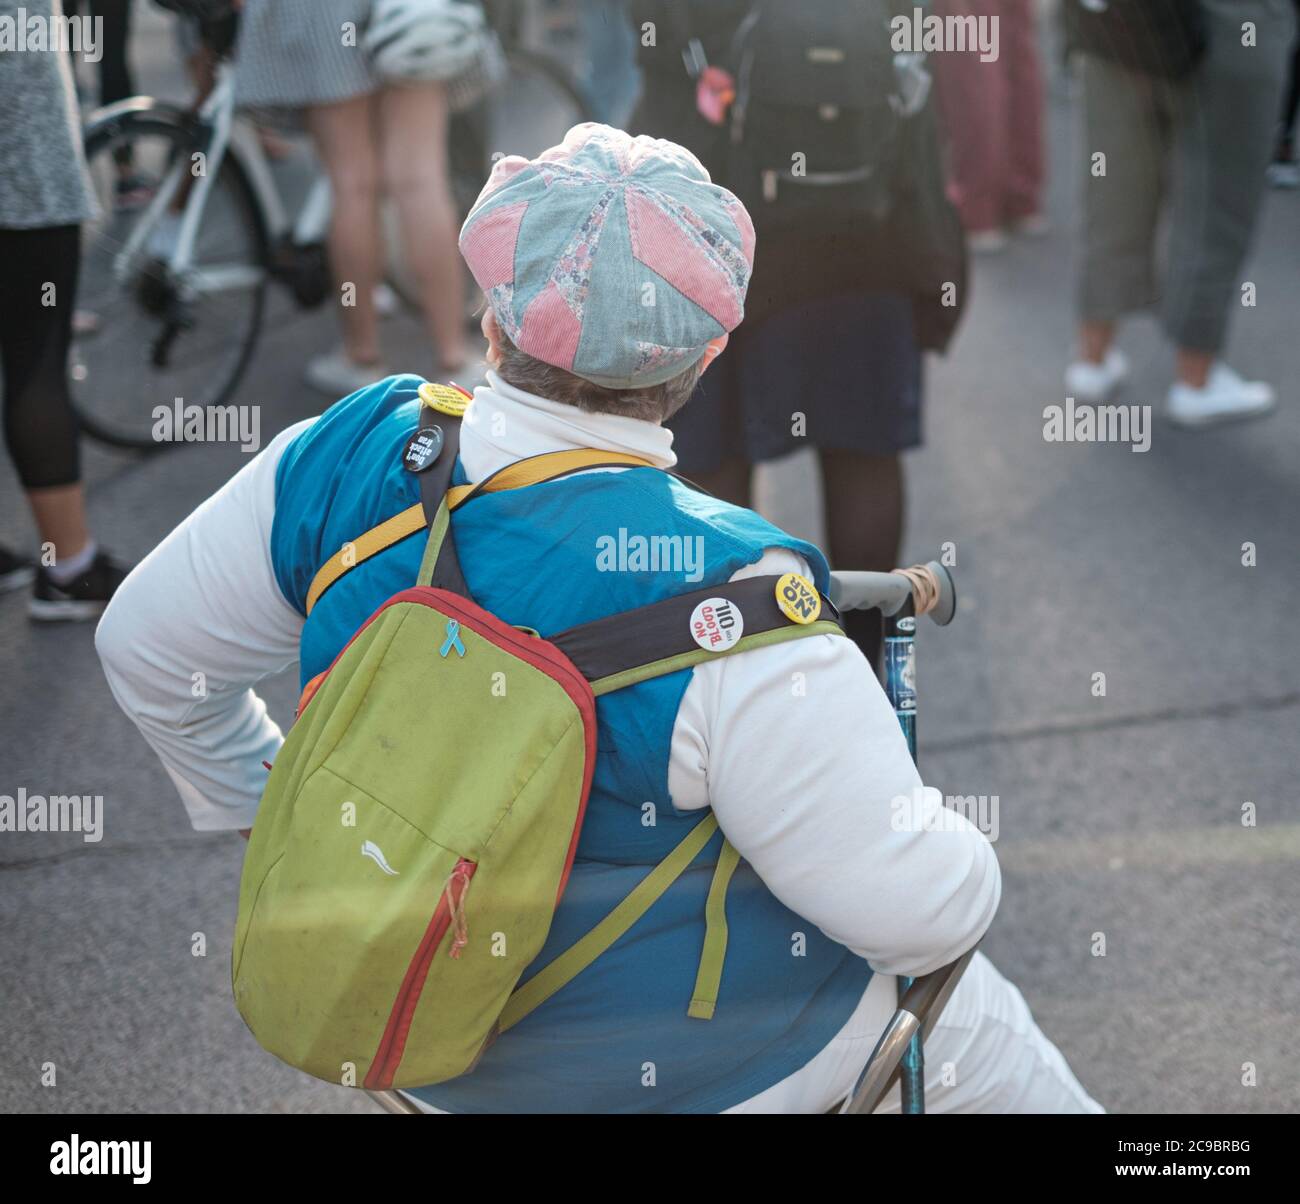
(196, 625)
(799, 753)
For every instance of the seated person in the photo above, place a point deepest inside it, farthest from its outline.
(614, 271)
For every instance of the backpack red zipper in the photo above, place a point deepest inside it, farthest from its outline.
(392, 1045)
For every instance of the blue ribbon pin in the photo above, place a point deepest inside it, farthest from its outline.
(452, 640)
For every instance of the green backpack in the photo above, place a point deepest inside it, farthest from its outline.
(417, 832)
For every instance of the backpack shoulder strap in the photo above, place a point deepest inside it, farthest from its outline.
(653, 641)
(648, 642)
(441, 431)
(440, 567)
(579, 956)
(374, 541)
(438, 498)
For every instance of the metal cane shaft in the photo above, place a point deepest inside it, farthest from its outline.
(900, 688)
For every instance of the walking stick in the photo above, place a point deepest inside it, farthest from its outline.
(901, 596)
(900, 689)
(394, 1102)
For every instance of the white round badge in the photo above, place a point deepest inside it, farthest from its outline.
(717, 624)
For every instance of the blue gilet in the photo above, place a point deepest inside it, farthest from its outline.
(617, 1038)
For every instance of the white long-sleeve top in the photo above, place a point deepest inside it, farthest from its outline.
(825, 811)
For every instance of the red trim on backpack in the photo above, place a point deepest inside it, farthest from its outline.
(392, 1045)
(555, 664)
(536, 651)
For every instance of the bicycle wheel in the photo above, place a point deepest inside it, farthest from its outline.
(143, 336)
(530, 110)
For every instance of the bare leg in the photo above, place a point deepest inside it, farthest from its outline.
(1193, 367)
(345, 139)
(414, 154)
(1095, 339)
(60, 515)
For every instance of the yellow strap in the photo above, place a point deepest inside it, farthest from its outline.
(536, 469)
(532, 471)
(709, 978)
(437, 533)
(579, 956)
(375, 540)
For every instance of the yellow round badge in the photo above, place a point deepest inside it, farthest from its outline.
(446, 399)
(798, 600)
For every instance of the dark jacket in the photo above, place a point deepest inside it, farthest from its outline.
(1156, 37)
(917, 249)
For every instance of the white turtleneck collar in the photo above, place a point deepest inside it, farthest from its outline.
(504, 424)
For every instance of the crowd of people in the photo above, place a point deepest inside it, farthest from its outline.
(1190, 116)
(818, 340)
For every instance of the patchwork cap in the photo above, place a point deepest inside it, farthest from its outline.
(612, 257)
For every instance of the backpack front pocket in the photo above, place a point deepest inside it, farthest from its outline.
(352, 915)
(414, 840)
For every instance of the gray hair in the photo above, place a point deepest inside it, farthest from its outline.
(651, 403)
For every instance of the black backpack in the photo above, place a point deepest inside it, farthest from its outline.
(218, 20)
(814, 125)
(1157, 37)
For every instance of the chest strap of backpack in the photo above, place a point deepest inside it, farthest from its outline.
(438, 498)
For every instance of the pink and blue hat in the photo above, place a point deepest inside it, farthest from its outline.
(612, 257)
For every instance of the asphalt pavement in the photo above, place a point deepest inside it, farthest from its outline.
(1119, 817)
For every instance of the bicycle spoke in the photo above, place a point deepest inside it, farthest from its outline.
(145, 335)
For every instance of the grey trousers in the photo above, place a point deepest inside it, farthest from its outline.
(1192, 152)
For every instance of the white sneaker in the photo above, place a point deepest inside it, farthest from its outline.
(1284, 174)
(386, 301)
(1225, 396)
(338, 375)
(986, 242)
(1085, 381)
(1032, 225)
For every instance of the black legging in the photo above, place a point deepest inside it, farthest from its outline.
(115, 82)
(1291, 101)
(36, 303)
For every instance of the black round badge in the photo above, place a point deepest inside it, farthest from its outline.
(423, 449)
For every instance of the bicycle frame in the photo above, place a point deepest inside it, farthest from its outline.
(224, 134)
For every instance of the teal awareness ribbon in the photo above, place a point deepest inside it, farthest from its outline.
(453, 640)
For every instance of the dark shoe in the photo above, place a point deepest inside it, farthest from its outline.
(132, 192)
(16, 572)
(84, 597)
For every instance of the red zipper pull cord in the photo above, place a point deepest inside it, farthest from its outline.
(456, 906)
